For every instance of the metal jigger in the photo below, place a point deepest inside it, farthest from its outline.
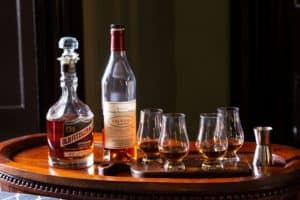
(263, 155)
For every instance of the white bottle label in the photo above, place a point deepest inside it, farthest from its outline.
(119, 124)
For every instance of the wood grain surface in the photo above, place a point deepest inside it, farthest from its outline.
(24, 168)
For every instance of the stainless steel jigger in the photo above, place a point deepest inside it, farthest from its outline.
(263, 155)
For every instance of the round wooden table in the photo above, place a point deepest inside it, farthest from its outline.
(24, 168)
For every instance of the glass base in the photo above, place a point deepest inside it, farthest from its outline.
(231, 158)
(212, 164)
(147, 160)
(174, 166)
(72, 163)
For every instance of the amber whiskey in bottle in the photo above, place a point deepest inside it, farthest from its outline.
(118, 86)
(69, 120)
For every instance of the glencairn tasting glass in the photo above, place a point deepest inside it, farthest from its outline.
(69, 120)
(212, 141)
(173, 142)
(119, 102)
(234, 131)
(148, 133)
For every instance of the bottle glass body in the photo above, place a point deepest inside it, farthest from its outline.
(70, 125)
(119, 103)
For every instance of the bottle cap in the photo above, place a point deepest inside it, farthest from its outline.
(68, 43)
(117, 26)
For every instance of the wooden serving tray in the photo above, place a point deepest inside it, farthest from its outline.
(193, 169)
(24, 168)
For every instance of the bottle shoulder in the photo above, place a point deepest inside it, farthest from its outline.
(118, 82)
(69, 110)
(118, 68)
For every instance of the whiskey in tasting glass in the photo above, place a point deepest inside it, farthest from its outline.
(173, 143)
(148, 133)
(212, 141)
(234, 131)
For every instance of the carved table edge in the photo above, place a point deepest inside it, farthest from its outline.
(35, 187)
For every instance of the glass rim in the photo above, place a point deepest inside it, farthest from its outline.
(209, 115)
(152, 110)
(228, 108)
(178, 115)
(263, 128)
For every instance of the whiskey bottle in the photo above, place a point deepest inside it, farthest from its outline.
(119, 101)
(69, 120)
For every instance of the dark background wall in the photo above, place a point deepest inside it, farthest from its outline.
(265, 64)
(179, 53)
(29, 70)
(188, 57)
(193, 57)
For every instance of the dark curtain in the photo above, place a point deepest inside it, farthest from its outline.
(265, 66)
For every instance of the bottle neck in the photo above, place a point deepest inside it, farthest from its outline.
(117, 42)
(68, 84)
(118, 54)
(68, 78)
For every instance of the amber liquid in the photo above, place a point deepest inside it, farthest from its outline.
(120, 155)
(233, 146)
(150, 148)
(174, 153)
(211, 154)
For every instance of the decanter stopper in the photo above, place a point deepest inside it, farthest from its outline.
(68, 43)
(69, 57)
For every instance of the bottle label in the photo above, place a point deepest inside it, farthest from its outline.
(74, 132)
(119, 124)
(77, 138)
